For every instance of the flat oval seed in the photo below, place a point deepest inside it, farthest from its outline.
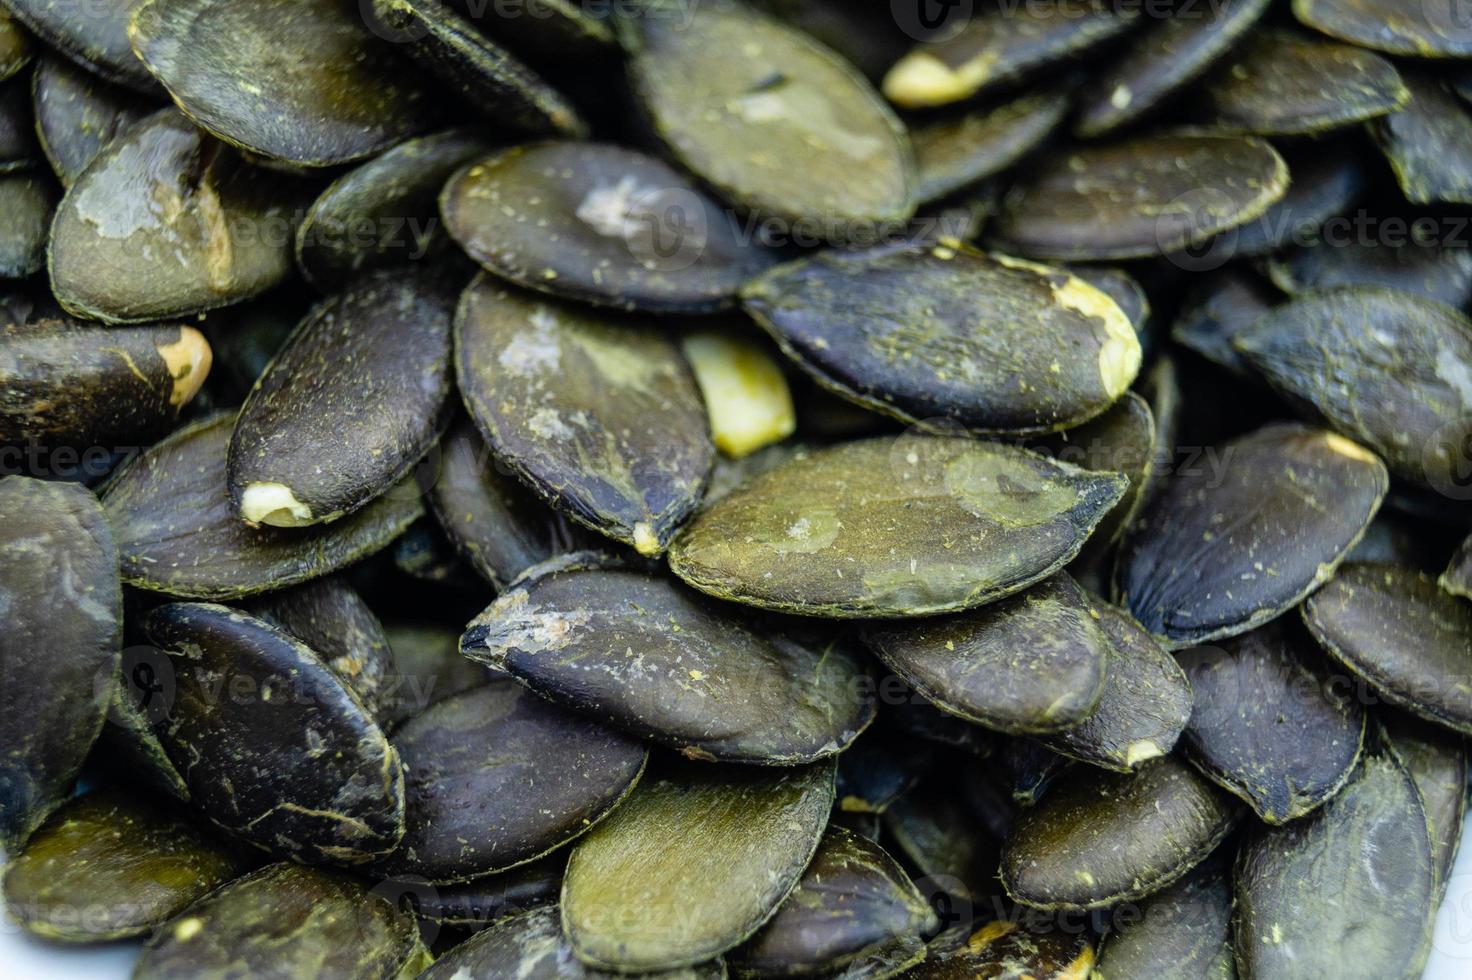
(178, 533)
(497, 777)
(530, 946)
(1101, 838)
(951, 334)
(1439, 763)
(108, 866)
(1270, 724)
(1005, 948)
(1457, 579)
(1148, 196)
(774, 121)
(165, 188)
(1181, 933)
(63, 626)
(1347, 892)
(1407, 638)
(1388, 369)
(956, 153)
(1415, 30)
(1426, 269)
(1270, 528)
(705, 854)
(324, 89)
(63, 382)
(1035, 662)
(660, 661)
(1428, 143)
(288, 759)
(601, 417)
(96, 39)
(906, 526)
(287, 921)
(1279, 84)
(1145, 705)
(27, 201)
(15, 45)
(852, 901)
(357, 396)
(77, 114)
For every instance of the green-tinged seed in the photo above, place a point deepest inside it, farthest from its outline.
(15, 45)
(1006, 949)
(26, 200)
(952, 154)
(1181, 933)
(547, 30)
(1429, 143)
(77, 114)
(95, 38)
(1415, 30)
(940, 837)
(1030, 768)
(1438, 762)
(18, 149)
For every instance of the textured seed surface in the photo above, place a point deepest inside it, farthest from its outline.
(27, 201)
(428, 668)
(1429, 143)
(702, 855)
(957, 152)
(912, 525)
(1438, 762)
(1328, 177)
(1006, 948)
(1269, 528)
(77, 114)
(1426, 269)
(1384, 25)
(1181, 933)
(96, 39)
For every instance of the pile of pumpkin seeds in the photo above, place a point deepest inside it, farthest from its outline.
(752, 488)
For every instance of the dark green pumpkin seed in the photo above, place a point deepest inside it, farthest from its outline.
(178, 533)
(599, 223)
(384, 213)
(1347, 892)
(164, 188)
(108, 865)
(903, 526)
(1286, 507)
(1270, 723)
(1438, 762)
(949, 334)
(1121, 287)
(63, 626)
(702, 855)
(27, 201)
(661, 661)
(77, 114)
(1101, 838)
(1388, 369)
(1181, 933)
(774, 121)
(1035, 662)
(1280, 84)
(1417, 30)
(600, 416)
(1427, 269)
(276, 750)
(852, 901)
(1148, 196)
(428, 669)
(956, 153)
(1162, 61)
(1327, 179)
(1457, 579)
(942, 839)
(476, 904)
(326, 89)
(357, 396)
(1006, 949)
(71, 383)
(1429, 143)
(1407, 638)
(15, 45)
(286, 921)
(95, 37)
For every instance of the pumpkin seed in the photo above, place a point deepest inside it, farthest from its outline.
(1101, 838)
(428, 668)
(15, 45)
(937, 335)
(1427, 143)
(1348, 890)
(745, 392)
(1121, 287)
(1035, 662)
(1383, 25)
(77, 114)
(286, 920)
(658, 660)
(1271, 527)
(1181, 933)
(852, 901)
(1280, 84)
(1438, 763)
(178, 533)
(955, 153)
(1326, 181)
(1270, 724)
(1426, 269)
(226, 224)
(540, 379)
(27, 201)
(71, 383)
(479, 903)
(108, 865)
(325, 90)
(1457, 579)
(771, 119)
(1006, 948)
(1406, 637)
(692, 864)
(56, 556)
(1148, 196)
(95, 38)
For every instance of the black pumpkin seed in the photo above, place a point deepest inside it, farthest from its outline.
(1427, 269)
(1270, 723)
(428, 669)
(956, 153)
(661, 661)
(63, 626)
(108, 865)
(1327, 179)
(1457, 579)
(477, 904)
(601, 417)
(705, 853)
(95, 38)
(276, 750)
(1418, 31)
(287, 921)
(1390, 370)
(1429, 143)
(1181, 933)
(325, 89)
(77, 114)
(164, 188)
(1347, 892)
(1438, 762)
(1286, 507)
(949, 334)
(1006, 948)
(1148, 196)
(1101, 838)
(771, 119)
(27, 201)
(178, 532)
(15, 45)
(1407, 638)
